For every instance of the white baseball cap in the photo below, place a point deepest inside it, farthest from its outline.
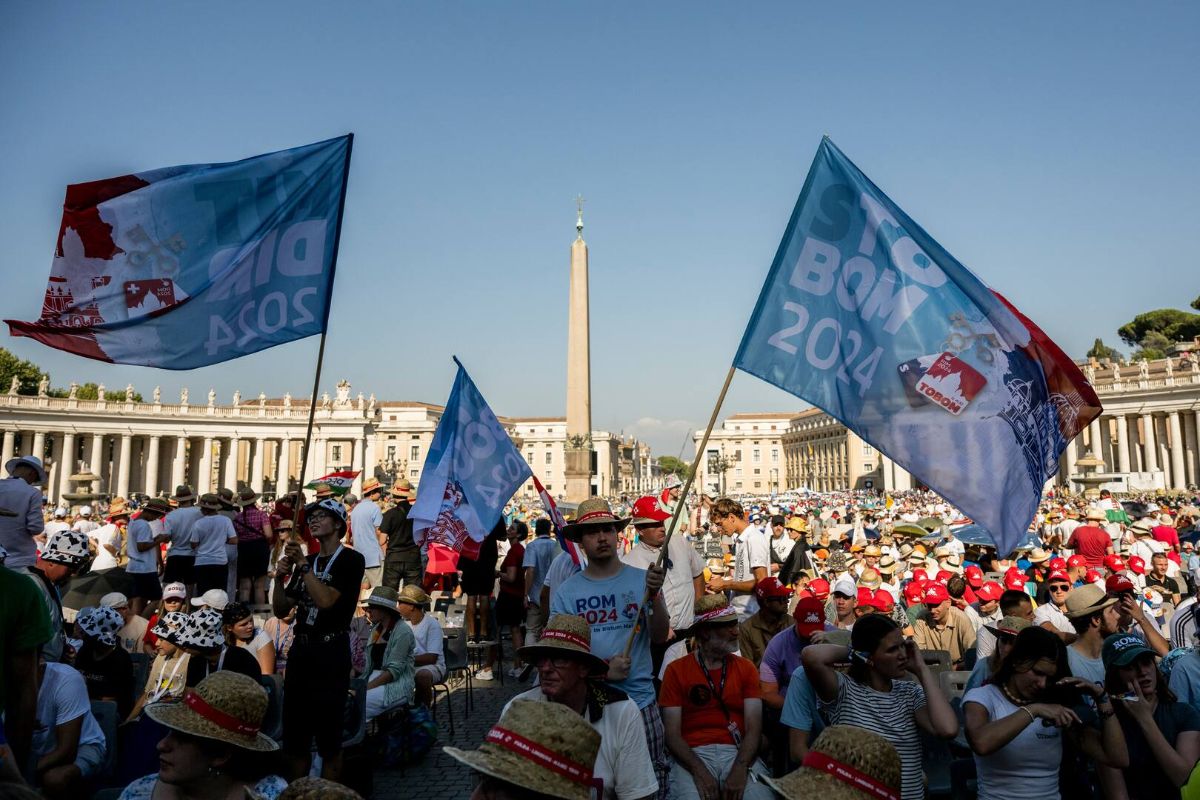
(114, 600)
(175, 591)
(60, 512)
(845, 587)
(213, 598)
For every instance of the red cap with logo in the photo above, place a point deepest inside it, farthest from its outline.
(1113, 563)
(1118, 583)
(1058, 575)
(989, 592)
(935, 594)
(810, 616)
(819, 588)
(1057, 564)
(648, 510)
(974, 576)
(1014, 580)
(1137, 565)
(1076, 561)
(1093, 576)
(866, 597)
(771, 587)
(913, 592)
(919, 575)
(944, 575)
(884, 601)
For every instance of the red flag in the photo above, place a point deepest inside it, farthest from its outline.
(556, 519)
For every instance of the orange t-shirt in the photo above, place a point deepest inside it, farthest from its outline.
(703, 720)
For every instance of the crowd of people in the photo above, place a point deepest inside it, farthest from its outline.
(848, 643)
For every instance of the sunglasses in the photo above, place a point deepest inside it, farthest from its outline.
(1059, 587)
(557, 662)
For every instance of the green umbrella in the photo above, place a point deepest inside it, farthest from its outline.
(908, 529)
(930, 523)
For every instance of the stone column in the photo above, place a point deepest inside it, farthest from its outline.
(1195, 476)
(1175, 432)
(256, 464)
(232, 458)
(67, 463)
(356, 454)
(283, 464)
(1070, 455)
(204, 479)
(123, 467)
(179, 462)
(152, 444)
(10, 446)
(39, 445)
(1094, 438)
(95, 453)
(370, 459)
(1122, 443)
(1149, 446)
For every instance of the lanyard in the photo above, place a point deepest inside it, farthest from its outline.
(719, 690)
(323, 574)
(162, 687)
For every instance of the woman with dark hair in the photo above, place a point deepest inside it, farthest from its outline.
(241, 631)
(1016, 723)
(1161, 733)
(871, 696)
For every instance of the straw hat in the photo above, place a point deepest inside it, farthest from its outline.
(1095, 514)
(843, 759)
(226, 706)
(565, 633)
(384, 597)
(796, 524)
(413, 595)
(887, 566)
(544, 747)
(119, 507)
(403, 489)
(870, 578)
(1037, 555)
(713, 609)
(371, 485)
(592, 512)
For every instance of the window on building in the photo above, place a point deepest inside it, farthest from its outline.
(414, 452)
(392, 417)
(391, 452)
(737, 485)
(757, 471)
(337, 453)
(774, 455)
(737, 473)
(416, 436)
(391, 436)
(757, 455)
(758, 484)
(549, 457)
(412, 473)
(868, 450)
(868, 467)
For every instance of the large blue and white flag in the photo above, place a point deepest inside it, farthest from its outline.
(182, 267)
(865, 315)
(471, 471)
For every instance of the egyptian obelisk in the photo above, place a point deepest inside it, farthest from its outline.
(579, 373)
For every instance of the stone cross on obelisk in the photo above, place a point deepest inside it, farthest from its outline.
(579, 373)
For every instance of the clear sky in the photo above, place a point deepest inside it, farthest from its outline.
(1054, 148)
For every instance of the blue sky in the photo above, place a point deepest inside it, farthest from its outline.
(1051, 147)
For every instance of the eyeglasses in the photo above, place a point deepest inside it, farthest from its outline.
(557, 662)
(1059, 587)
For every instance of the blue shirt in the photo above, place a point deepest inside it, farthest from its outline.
(539, 554)
(1185, 679)
(610, 608)
(800, 705)
(364, 520)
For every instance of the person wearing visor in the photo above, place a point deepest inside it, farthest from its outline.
(323, 588)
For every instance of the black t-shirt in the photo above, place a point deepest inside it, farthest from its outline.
(237, 659)
(398, 526)
(1144, 778)
(1166, 584)
(108, 676)
(343, 570)
(483, 567)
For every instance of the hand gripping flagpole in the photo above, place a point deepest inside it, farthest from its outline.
(297, 534)
(679, 506)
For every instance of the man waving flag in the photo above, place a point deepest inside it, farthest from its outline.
(186, 266)
(865, 315)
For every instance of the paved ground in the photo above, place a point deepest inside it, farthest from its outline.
(440, 777)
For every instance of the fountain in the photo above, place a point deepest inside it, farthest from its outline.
(84, 491)
(1091, 479)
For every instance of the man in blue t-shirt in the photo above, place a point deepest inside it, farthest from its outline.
(539, 555)
(608, 595)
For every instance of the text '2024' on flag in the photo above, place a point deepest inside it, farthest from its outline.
(471, 471)
(186, 266)
(866, 316)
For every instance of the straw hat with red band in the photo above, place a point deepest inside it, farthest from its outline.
(713, 609)
(845, 763)
(594, 512)
(544, 747)
(566, 634)
(226, 706)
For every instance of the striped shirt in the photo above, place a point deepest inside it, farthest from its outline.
(892, 715)
(1183, 624)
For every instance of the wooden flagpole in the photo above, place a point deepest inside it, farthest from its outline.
(679, 506)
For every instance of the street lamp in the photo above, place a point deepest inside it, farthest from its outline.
(720, 464)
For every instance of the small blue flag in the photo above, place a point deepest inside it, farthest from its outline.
(866, 316)
(471, 471)
(183, 267)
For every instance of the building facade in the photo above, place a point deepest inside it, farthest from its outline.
(151, 447)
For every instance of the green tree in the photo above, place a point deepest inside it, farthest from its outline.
(1196, 304)
(671, 464)
(1152, 346)
(91, 391)
(26, 372)
(1175, 325)
(1100, 351)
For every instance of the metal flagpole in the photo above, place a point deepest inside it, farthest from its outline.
(679, 506)
(312, 405)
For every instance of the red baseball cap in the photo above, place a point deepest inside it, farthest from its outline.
(648, 510)
(1118, 583)
(913, 592)
(866, 597)
(1057, 564)
(1113, 562)
(771, 587)
(919, 575)
(819, 588)
(1015, 580)
(935, 594)
(884, 600)
(1093, 576)
(810, 616)
(974, 576)
(1058, 575)
(989, 591)
(1137, 565)
(1076, 561)
(944, 575)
